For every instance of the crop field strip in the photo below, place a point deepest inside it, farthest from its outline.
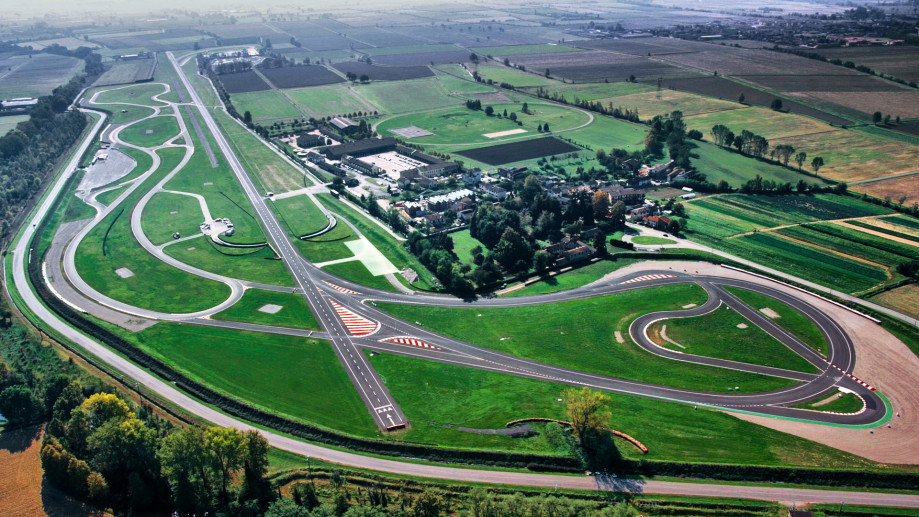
(301, 76)
(519, 151)
(241, 82)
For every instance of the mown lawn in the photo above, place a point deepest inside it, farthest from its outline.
(433, 395)
(295, 312)
(357, 272)
(579, 334)
(718, 335)
(300, 215)
(788, 318)
(251, 264)
(287, 375)
(151, 132)
(136, 94)
(168, 213)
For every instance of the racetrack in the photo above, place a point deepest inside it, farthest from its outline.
(319, 289)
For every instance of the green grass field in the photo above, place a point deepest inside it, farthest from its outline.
(268, 170)
(433, 395)
(151, 132)
(384, 242)
(410, 49)
(10, 122)
(168, 213)
(155, 285)
(453, 84)
(649, 103)
(463, 244)
(328, 246)
(648, 240)
(574, 278)
(300, 215)
(294, 312)
(255, 265)
(719, 164)
(136, 94)
(718, 334)
(107, 198)
(580, 335)
(38, 74)
(789, 319)
(292, 376)
(516, 50)
(357, 272)
(504, 74)
(389, 97)
(462, 126)
(326, 101)
(596, 91)
(766, 122)
(265, 105)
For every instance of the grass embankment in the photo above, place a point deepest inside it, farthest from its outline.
(573, 278)
(294, 376)
(579, 334)
(841, 403)
(300, 215)
(434, 395)
(154, 285)
(784, 316)
(648, 240)
(725, 334)
(294, 313)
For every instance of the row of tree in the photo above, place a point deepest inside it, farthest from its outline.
(755, 145)
(620, 112)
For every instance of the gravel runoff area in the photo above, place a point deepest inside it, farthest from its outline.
(115, 166)
(882, 361)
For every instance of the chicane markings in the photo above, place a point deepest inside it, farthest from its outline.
(341, 289)
(356, 325)
(647, 277)
(409, 341)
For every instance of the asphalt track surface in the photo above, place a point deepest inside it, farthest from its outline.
(315, 285)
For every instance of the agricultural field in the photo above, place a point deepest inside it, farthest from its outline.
(904, 299)
(389, 96)
(243, 82)
(725, 334)
(462, 84)
(384, 73)
(594, 91)
(422, 58)
(771, 230)
(130, 71)
(594, 66)
(740, 62)
(36, 75)
(652, 103)
(898, 61)
(903, 103)
(412, 49)
(607, 133)
(462, 126)
(518, 78)
(579, 335)
(852, 156)
(327, 101)
(265, 105)
(300, 76)
(765, 122)
(721, 88)
(519, 151)
(823, 83)
(516, 50)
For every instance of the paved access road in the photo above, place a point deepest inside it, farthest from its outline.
(324, 292)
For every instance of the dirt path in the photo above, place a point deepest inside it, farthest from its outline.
(667, 339)
(901, 240)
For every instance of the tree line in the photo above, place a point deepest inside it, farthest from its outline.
(619, 112)
(749, 143)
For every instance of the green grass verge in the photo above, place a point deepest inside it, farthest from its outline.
(295, 312)
(434, 394)
(357, 272)
(579, 334)
(645, 239)
(789, 319)
(289, 375)
(842, 403)
(109, 197)
(574, 278)
(717, 335)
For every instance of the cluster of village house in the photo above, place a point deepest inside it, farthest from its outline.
(428, 171)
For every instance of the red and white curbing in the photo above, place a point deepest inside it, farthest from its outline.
(647, 277)
(341, 289)
(409, 341)
(356, 325)
(856, 379)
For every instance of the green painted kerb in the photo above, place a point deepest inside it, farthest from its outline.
(888, 414)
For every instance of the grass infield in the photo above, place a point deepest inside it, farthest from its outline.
(789, 319)
(294, 313)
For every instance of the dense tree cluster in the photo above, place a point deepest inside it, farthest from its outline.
(669, 132)
(29, 152)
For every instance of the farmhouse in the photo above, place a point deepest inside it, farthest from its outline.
(494, 190)
(640, 213)
(569, 250)
(658, 222)
(617, 192)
